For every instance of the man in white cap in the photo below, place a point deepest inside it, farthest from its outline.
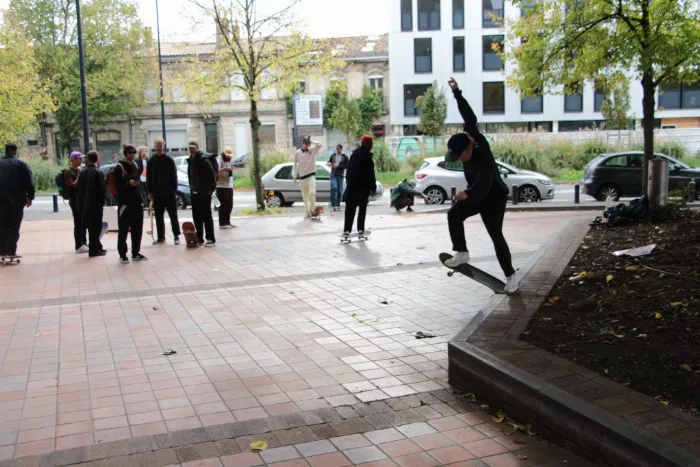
(304, 169)
(70, 176)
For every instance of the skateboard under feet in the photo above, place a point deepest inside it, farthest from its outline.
(190, 233)
(475, 273)
(348, 238)
(8, 260)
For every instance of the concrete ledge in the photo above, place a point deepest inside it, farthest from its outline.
(542, 207)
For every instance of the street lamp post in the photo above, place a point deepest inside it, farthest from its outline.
(160, 71)
(83, 85)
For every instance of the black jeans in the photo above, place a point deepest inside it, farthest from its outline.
(201, 215)
(355, 202)
(79, 226)
(93, 220)
(492, 213)
(225, 196)
(130, 217)
(160, 205)
(11, 215)
(403, 202)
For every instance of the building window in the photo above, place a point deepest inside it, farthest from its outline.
(679, 96)
(410, 93)
(493, 13)
(267, 134)
(428, 15)
(376, 82)
(301, 87)
(151, 96)
(211, 136)
(598, 97)
(458, 53)
(237, 91)
(527, 6)
(423, 55)
(457, 14)
(492, 60)
(406, 15)
(494, 98)
(531, 105)
(573, 99)
(179, 94)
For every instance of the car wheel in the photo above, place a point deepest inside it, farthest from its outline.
(180, 201)
(609, 190)
(275, 200)
(528, 194)
(435, 194)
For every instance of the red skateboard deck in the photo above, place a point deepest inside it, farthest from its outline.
(190, 234)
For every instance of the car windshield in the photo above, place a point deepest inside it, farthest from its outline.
(674, 161)
(240, 158)
(512, 168)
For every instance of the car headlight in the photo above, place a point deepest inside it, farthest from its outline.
(544, 181)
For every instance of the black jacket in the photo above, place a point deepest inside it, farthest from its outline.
(201, 175)
(360, 176)
(161, 176)
(16, 181)
(344, 160)
(91, 189)
(483, 177)
(128, 195)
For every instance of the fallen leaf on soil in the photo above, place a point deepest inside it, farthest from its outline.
(634, 268)
(686, 367)
(520, 441)
(420, 248)
(424, 335)
(676, 304)
(658, 315)
(257, 446)
(484, 406)
(555, 298)
(522, 457)
(609, 278)
(606, 371)
(664, 402)
(169, 352)
(470, 397)
(498, 418)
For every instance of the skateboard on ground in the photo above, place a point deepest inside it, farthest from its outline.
(347, 238)
(9, 259)
(316, 213)
(483, 278)
(150, 216)
(190, 234)
(105, 226)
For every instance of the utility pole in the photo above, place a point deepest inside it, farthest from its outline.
(83, 86)
(160, 71)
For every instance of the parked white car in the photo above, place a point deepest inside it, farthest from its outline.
(281, 190)
(435, 178)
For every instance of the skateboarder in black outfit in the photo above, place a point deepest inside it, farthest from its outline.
(130, 206)
(16, 191)
(486, 193)
(91, 201)
(361, 182)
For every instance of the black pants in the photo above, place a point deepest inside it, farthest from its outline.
(11, 215)
(93, 220)
(403, 202)
(355, 202)
(201, 215)
(160, 205)
(225, 196)
(79, 226)
(492, 215)
(130, 217)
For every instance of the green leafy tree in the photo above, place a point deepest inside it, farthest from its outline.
(118, 63)
(370, 108)
(336, 93)
(616, 104)
(347, 118)
(562, 43)
(433, 112)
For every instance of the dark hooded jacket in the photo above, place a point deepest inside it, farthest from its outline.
(360, 174)
(201, 174)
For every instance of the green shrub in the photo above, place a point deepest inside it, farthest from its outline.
(384, 161)
(671, 149)
(44, 174)
(269, 157)
(413, 163)
(524, 155)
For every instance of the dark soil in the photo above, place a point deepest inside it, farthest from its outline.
(635, 325)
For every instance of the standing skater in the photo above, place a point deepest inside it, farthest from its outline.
(486, 193)
(304, 169)
(202, 178)
(224, 188)
(338, 163)
(361, 182)
(128, 179)
(16, 192)
(91, 200)
(161, 182)
(71, 176)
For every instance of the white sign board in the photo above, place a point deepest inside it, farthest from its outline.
(308, 109)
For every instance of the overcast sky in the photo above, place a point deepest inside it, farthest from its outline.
(323, 18)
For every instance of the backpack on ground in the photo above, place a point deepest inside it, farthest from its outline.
(63, 190)
(113, 181)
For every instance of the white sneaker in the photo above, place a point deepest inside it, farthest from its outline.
(460, 257)
(83, 249)
(512, 285)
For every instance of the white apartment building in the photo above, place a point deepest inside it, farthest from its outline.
(433, 40)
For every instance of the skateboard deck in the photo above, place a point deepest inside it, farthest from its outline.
(190, 234)
(8, 260)
(105, 226)
(483, 278)
(316, 213)
(347, 238)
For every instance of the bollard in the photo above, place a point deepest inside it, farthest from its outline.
(515, 194)
(55, 203)
(693, 190)
(453, 192)
(577, 193)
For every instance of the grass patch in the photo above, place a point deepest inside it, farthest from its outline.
(242, 182)
(266, 212)
(569, 175)
(392, 178)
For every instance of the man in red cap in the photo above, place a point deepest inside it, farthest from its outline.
(361, 182)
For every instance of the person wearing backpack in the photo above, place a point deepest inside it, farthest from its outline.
(127, 179)
(202, 176)
(70, 192)
(91, 201)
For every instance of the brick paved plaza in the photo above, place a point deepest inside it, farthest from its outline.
(278, 320)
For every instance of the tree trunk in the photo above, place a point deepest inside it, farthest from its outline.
(255, 132)
(648, 104)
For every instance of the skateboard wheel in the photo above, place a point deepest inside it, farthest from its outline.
(450, 273)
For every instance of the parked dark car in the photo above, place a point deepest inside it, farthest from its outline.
(240, 161)
(183, 196)
(620, 175)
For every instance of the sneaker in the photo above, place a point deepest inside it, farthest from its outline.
(409, 209)
(97, 253)
(102, 250)
(160, 241)
(512, 285)
(460, 257)
(124, 260)
(139, 257)
(176, 241)
(346, 234)
(225, 227)
(210, 243)
(200, 242)
(83, 249)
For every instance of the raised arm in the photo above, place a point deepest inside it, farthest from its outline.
(468, 115)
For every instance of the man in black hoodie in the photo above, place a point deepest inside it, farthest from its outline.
(486, 193)
(16, 192)
(202, 176)
(130, 206)
(161, 179)
(361, 182)
(91, 190)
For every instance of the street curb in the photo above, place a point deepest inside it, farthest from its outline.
(546, 208)
(572, 422)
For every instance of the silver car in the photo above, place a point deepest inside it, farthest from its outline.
(436, 178)
(282, 191)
